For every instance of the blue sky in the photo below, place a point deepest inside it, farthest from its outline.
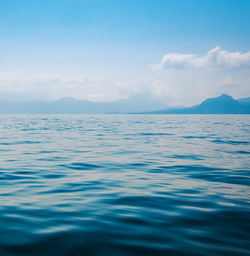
(103, 50)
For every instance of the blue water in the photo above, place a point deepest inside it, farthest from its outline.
(124, 185)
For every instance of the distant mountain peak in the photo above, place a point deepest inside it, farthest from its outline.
(69, 105)
(223, 98)
(223, 104)
(224, 95)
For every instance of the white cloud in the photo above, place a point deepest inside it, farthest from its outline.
(214, 58)
(28, 86)
(227, 80)
(189, 78)
(47, 86)
(183, 79)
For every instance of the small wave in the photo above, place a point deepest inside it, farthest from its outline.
(20, 142)
(231, 142)
(188, 157)
(82, 166)
(242, 152)
(195, 137)
(155, 134)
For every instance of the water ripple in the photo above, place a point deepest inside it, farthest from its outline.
(124, 185)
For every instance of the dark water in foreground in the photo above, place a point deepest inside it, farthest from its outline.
(124, 185)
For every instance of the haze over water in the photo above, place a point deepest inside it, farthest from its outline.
(124, 185)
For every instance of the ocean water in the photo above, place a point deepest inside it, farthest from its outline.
(124, 185)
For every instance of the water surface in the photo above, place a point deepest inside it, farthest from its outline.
(124, 185)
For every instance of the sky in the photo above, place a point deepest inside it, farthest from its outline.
(178, 51)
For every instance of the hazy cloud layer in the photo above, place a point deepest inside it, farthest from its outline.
(180, 79)
(214, 58)
(33, 86)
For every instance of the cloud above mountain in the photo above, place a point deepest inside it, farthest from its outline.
(179, 79)
(216, 57)
(189, 77)
(52, 86)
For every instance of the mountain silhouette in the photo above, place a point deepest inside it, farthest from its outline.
(223, 104)
(142, 103)
(245, 101)
(137, 103)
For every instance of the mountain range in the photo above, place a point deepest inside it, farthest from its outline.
(138, 103)
(223, 104)
(143, 103)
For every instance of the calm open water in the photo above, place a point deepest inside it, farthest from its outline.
(124, 185)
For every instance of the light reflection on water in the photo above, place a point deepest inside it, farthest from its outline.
(124, 184)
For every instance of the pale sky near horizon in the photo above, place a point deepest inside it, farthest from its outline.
(103, 50)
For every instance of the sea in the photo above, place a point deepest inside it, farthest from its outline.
(120, 185)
